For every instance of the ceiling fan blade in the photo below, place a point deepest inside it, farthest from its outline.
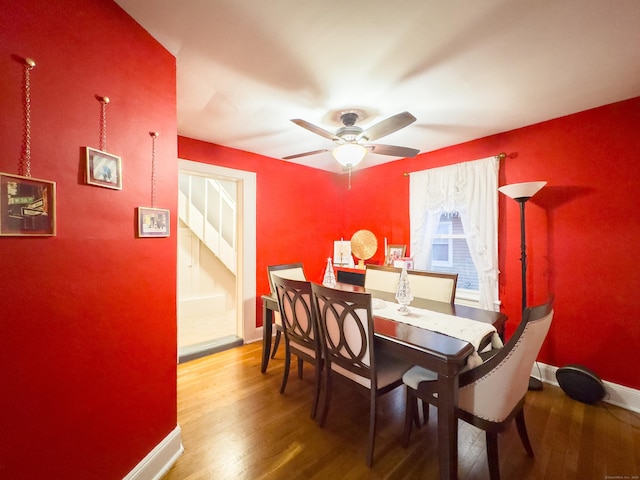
(387, 126)
(393, 150)
(298, 155)
(317, 130)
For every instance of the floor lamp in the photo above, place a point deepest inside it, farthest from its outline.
(521, 192)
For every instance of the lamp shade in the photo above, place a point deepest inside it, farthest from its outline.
(522, 191)
(349, 154)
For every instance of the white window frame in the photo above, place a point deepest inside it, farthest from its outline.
(448, 237)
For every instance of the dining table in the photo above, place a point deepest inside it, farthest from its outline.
(441, 353)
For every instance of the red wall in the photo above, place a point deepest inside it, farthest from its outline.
(88, 323)
(582, 228)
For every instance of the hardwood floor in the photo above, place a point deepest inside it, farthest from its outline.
(236, 425)
(208, 327)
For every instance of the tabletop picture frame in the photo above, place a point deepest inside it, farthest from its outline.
(103, 169)
(27, 206)
(394, 252)
(153, 222)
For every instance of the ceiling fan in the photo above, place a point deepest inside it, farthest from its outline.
(353, 141)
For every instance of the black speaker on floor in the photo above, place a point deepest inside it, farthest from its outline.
(580, 383)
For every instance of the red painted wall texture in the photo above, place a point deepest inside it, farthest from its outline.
(87, 318)
(88, 327)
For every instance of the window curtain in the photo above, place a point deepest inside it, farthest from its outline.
(470, 188)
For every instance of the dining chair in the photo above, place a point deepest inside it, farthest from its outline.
(300, 329)
(436, 286)
(347, 336)
(292, 271)
(382, 278)
(491, 395)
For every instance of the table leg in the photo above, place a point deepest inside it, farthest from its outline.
(448, 426)
(267, 320)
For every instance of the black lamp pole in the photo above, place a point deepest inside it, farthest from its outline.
(521, 192)
(523, 252)
(534, 383)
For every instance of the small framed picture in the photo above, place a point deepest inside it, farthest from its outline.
(153, 222)
(394, 252)
(27, 206)
(104, 169)
(405, 261)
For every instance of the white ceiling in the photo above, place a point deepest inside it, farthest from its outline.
(464, 69)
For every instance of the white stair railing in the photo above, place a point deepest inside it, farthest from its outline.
(210, 212)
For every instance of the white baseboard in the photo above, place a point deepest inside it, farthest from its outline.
(617, 395)
(160, 459)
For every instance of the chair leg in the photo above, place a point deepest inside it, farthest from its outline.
(425, 413)
(326, 395)
(411, 412)
(276, 343)
(372, 429)
(317, 385)
(522, 431)
(492, 455)
(300, 365)
(287, 364)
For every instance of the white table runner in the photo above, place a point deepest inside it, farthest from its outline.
(465, 329)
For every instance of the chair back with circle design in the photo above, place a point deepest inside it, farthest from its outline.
(346, 327)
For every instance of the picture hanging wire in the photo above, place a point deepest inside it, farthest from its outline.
(103, 122)
(24, 164)
(501, 156)
(153, 135)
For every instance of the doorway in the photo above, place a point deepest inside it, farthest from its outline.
(216, 259)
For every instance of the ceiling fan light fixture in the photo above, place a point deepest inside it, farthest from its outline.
(349, 154)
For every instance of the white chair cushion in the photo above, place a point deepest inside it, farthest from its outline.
(431, 288)
(416, 374)
(381, 280)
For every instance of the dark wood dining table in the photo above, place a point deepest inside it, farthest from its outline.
(445, 355)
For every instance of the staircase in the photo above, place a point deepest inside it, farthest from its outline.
(209, 210)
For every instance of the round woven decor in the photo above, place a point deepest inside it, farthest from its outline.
(364, 244)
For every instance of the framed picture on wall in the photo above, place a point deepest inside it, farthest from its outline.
(103, 169)
(393, 253)
(153, 222)
(27, 206)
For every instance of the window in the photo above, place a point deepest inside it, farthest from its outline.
(471, 189)
(450, 254)
(442, 249)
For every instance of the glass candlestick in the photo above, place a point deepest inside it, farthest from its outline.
(329, 277)
(403, 293)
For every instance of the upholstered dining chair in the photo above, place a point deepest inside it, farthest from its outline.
(292, 271)
(436, 286)
(492, 394)
(433, 285)
(346, 326)
(300, 329)
(382, 278)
